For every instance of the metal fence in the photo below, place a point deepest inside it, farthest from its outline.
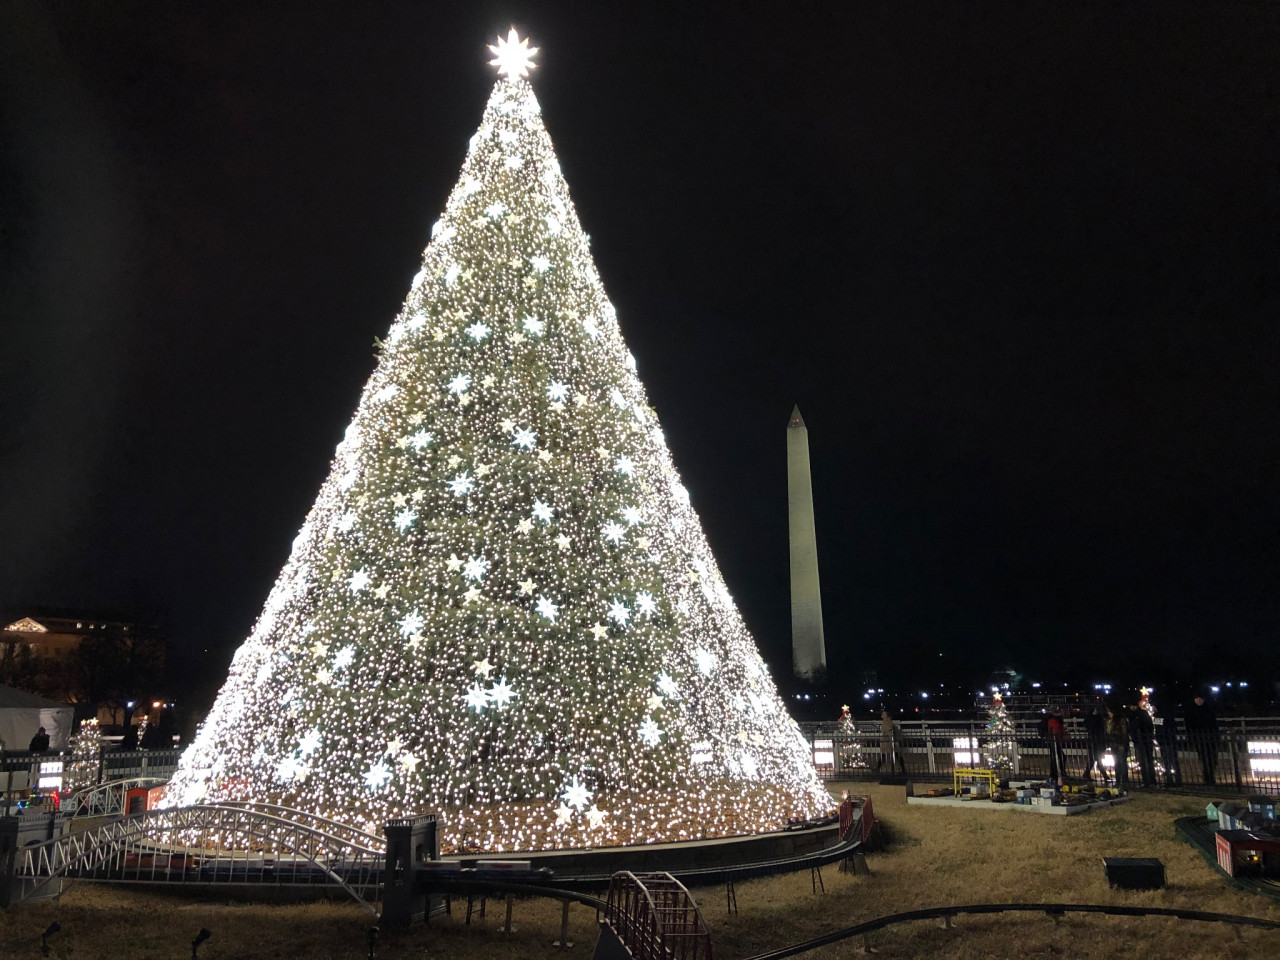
(1244, 756)
(22, 771)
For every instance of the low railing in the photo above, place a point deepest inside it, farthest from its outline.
(1244, 756)
(205, 845)
(21, 770)
(118, 764)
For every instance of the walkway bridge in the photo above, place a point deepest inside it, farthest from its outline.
(242, 844)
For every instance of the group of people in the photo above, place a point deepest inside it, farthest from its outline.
(155, 737)
(1109, 728)
(1112, 728)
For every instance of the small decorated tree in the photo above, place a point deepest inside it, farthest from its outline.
(850, 749)
(1144, 703)
(1001, 738)
(86, 748)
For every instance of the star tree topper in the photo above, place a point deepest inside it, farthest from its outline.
(513, 57)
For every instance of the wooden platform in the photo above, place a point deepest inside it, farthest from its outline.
(1059, 811)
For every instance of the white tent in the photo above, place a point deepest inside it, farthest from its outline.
(22, 713)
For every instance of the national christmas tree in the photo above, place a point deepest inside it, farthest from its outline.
(502, 606)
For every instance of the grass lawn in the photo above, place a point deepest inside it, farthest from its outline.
(935, 856)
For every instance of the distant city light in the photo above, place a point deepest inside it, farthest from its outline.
(1214, 689)
(966, 751)
(1264, 757)
(824, 753)
(1035, 686)
(925, 695)
(50, 775)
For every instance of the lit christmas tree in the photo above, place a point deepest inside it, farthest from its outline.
(1158, 758)
(86, 750)
(502, 605)
(1001, 738)
(850, 750)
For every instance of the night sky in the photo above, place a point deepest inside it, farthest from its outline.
(1016, 263)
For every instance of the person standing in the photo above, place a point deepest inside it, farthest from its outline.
(1202, 731)
(1118, 742)
(889, 743)
(1095, 725)
(1056, 737)
(1143, 733)
(40, 742)
(1167, 740)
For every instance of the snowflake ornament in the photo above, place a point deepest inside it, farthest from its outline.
(575, 794)
(547, 609)
(475, 568)
(461, 485)
(477, 698)
(650, 732)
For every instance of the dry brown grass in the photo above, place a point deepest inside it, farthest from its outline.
(936, 857)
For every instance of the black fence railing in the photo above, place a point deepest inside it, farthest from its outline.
(1243, 755)
(22, 771)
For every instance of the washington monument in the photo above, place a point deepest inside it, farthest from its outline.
(808, 648)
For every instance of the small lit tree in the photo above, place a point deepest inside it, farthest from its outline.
(86, 747)
(850, 748)
(1001, 738)
(1157, 756)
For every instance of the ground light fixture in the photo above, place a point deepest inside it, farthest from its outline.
(44, 937)
(373, 940)
(200, 938)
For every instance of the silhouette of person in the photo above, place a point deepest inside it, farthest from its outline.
(889, 744)
(1202, 731)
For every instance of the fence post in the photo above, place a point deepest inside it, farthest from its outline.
(1235, 754)
(928, 746)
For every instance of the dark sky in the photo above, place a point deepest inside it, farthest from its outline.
(1017, 264)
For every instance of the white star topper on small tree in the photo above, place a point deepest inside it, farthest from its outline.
(513, 57)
